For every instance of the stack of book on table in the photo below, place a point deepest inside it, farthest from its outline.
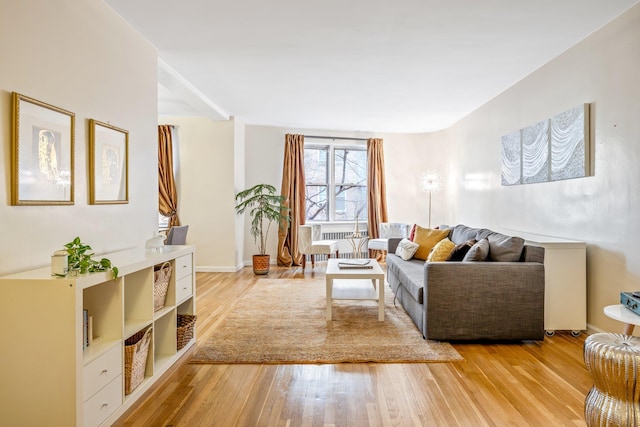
(355, 263)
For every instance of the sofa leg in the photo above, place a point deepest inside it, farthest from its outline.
(304, 261)
(313, 261)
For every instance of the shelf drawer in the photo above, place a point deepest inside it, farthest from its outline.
(184, 288)
(184, 266)
(103, 403)
(101, 371)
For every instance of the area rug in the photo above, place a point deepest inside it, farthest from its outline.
(284, 321)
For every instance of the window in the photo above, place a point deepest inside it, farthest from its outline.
(336, 182)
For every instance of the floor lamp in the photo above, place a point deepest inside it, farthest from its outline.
(430, 182)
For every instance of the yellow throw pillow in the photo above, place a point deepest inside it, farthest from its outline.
(441, 251)
(427, 238)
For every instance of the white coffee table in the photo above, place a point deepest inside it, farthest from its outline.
(355, 284)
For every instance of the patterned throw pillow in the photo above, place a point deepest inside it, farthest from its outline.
(441, 251)
(458, 253)
(406, 248)
(427, 238)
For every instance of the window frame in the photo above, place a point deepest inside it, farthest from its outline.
(331, 148)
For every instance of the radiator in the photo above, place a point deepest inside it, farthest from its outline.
(345, 250)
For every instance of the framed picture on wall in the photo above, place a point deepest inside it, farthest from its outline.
(108, 164)
(41, 153)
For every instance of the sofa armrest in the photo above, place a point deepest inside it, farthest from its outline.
(393, 244)
(484, 300)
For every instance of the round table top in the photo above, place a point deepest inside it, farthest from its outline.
(621, 313)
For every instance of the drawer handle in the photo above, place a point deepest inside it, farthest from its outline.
(104, 371)
(105, 405)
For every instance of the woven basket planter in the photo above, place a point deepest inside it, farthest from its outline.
(185, 330)
(261, 264)
(136, 350)
(161, 277)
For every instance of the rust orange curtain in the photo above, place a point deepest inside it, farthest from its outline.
(293, 189)
(168, 196)
(377, 194)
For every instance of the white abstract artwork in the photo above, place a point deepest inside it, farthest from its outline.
(569, 156)
(535, 153)
(511, 159)
(550, 150)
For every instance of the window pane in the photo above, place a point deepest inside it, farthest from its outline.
(163, 221)
(349, 201)
(350, 166)
(315, 165)
(316, 203)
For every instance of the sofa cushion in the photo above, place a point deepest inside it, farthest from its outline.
(478, 252)
(406, 249)
(505, 248)
(412, 233)
(427, 238)
(459, 251)
(441, 251)
(409, 273)
(461, 233)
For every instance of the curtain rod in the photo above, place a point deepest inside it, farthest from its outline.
(336, 137)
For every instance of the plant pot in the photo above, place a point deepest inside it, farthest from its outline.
(261, 264)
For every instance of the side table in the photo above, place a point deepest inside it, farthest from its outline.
(613, 361)
(622, 314)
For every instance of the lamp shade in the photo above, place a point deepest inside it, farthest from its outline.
(430, 182)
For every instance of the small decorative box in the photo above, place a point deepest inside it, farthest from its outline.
(630, 301)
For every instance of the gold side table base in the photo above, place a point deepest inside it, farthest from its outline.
(613, 361)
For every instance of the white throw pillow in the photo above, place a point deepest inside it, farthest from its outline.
(406, 249)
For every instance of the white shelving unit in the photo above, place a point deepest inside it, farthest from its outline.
(46, 376)
(565, 271)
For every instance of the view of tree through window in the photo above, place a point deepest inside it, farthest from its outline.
(336, 182)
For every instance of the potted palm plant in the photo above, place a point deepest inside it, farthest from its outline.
(265, 207)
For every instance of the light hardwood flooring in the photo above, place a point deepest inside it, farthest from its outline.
(524, 384)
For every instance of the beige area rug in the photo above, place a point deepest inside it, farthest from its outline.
(284, 321)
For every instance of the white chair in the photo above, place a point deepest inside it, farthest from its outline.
(387, 231)
(310, 243)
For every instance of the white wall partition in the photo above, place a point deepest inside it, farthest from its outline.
(80, 56)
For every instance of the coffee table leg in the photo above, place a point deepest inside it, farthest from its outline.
(628, 328)
(380, 300)
(329, 292)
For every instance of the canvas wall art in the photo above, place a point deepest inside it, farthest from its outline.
(550, 150)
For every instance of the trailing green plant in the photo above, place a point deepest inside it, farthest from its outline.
(265, 207)
(80, 259)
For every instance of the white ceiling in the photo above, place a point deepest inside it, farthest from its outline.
(357, 65)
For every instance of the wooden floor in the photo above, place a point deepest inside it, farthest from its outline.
(528, 384)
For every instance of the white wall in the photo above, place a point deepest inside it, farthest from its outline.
(603, 209)
(206, 190)
(80, 56)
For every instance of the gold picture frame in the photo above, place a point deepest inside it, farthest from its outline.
(41, 153)
(108, 164)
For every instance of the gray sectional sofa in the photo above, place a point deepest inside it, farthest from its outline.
(501, 298)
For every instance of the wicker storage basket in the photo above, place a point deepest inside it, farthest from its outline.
(136, 350)
(161, 277)
(186, 326)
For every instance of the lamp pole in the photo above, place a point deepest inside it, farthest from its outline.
(430, 183)
(429, 208)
